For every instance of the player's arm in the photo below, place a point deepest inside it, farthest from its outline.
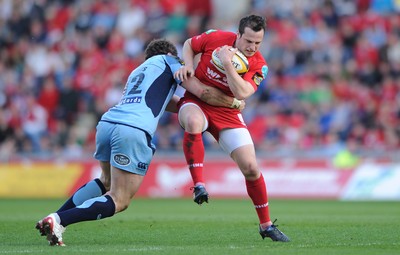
(211, 95)
(186, 71)
(240, 88)
(172, 105)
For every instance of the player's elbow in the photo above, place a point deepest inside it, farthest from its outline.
(242, 90)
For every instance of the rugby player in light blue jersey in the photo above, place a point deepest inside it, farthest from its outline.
(124, 135)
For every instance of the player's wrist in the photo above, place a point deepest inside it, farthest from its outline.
(236, 103)
(188, 64)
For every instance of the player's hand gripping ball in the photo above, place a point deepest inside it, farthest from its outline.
(239, 61)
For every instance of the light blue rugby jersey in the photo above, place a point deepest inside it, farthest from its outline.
(147, 92)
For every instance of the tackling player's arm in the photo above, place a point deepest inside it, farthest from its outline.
(187, 70)
(240, 88)
(211, 95)
(172, 105)
(207, 94)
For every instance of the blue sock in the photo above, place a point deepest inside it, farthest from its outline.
(93, 209)
(94, 188)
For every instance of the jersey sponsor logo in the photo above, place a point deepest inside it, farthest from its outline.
(142, 166)
(213, 74)
(122, 160)
(131, 100)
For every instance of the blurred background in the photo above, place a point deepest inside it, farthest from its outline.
(332, 94)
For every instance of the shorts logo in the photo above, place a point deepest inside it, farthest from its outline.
(142, 165)
(122, 160)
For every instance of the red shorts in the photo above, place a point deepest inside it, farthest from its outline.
(218, 118)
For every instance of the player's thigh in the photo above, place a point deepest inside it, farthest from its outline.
(245, 158)
(192, 118)
(131, 149)
(124, 186)
(131, 154)
(239, 144)
(234, 138)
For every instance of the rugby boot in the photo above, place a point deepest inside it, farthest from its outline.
(200, 194)
(274, 233)
(53, 231)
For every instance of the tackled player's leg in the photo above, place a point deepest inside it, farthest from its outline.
(193, 120)
(239, 144)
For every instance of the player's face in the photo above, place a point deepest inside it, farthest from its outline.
(249, 42)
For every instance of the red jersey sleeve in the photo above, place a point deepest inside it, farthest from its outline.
(258, 70)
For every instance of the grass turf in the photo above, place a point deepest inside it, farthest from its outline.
(225, 226)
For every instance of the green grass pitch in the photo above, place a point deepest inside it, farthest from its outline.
(224, 226)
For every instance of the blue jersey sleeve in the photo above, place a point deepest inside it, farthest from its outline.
(175, 63)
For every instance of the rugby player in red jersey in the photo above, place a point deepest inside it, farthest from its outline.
(226, 125)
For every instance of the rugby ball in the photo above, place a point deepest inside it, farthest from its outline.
(239, 61)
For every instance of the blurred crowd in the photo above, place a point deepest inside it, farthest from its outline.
(333, 84)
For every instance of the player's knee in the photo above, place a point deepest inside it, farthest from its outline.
(251, 172)
(194, 123)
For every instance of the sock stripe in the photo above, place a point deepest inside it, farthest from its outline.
(195, 165)
(261, 206)
(101, 185)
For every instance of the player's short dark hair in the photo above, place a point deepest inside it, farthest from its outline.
(254, 22)
(160, 47)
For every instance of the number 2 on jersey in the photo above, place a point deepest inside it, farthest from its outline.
(136, 80)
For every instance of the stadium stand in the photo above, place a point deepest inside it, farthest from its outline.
(334, 80)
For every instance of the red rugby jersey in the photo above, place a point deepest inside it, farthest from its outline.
(207, 73)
